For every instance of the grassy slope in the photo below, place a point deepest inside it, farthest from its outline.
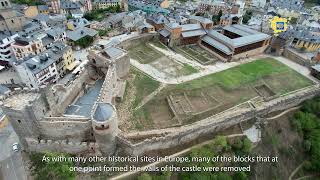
(144, 86)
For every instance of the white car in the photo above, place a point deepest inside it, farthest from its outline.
(15, 147)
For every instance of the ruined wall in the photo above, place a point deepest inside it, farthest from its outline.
(137, 40)
(59, 97)
(61, 146)
(185, 134)
(62, 128)
(296, 58)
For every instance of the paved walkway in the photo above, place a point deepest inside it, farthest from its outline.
(297, 67)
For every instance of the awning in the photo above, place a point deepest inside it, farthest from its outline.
(71, 66)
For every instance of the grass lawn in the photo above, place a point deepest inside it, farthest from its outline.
(249, 73)
(188, 69)
(144, 86)
(144, 53)
(157, 43)
(138, 87)
(228, 88)
(196, 53)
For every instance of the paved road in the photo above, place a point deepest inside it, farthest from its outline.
(11, 163)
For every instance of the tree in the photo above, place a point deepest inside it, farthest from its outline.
(247, 16)
(145, 176)
(240, 176)
(84, 42)
(52, 170)
(216, 18)
(246, 146)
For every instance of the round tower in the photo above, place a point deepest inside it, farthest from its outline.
(105, 127)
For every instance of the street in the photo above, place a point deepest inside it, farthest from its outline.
(11, 163)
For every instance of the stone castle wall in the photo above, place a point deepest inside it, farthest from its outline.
(288, 53)
(188, 133)
(73, 129)
(62, 146)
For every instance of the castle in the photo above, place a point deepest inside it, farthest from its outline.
(75, 117)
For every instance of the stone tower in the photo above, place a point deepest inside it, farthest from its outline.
(105, 127)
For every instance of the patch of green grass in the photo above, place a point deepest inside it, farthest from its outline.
(157, 43)
(144, 53)
(142, 118)
(195, 53)
(249, 73)
(144, 86)
(188, 69)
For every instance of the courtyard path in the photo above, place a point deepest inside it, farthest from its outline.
(206, 70)
(150, 96)
(297, 67)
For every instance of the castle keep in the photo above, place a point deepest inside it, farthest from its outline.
(75, 117)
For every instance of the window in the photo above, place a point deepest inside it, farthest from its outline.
(19, 121)
(12, 21)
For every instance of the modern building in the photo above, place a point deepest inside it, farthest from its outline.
(235, 42)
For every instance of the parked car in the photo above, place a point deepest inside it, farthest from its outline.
(15, 147)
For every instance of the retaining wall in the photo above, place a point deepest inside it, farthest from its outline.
(61, 146)
(217, 122)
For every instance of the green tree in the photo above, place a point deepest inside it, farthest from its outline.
(84, 42)
(240, 176)
(246, 146)
(51, 170)
(216, 18)
(246, 17)
(144, 176)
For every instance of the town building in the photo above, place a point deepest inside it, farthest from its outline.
(214, 7)
(157, 21)
(315, 71)
(67, 7)
(229, 19)
(175, 34)
(46, 67)
(6, 52)
(147, 6)
(24, 47)
(10, 19)
(30, 11)
(104, 4)
(54, 6)
(43, 9)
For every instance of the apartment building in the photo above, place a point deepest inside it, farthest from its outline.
(6, 53)
(46, 67)
(24, 47)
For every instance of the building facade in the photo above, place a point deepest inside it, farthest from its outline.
(24, 47)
